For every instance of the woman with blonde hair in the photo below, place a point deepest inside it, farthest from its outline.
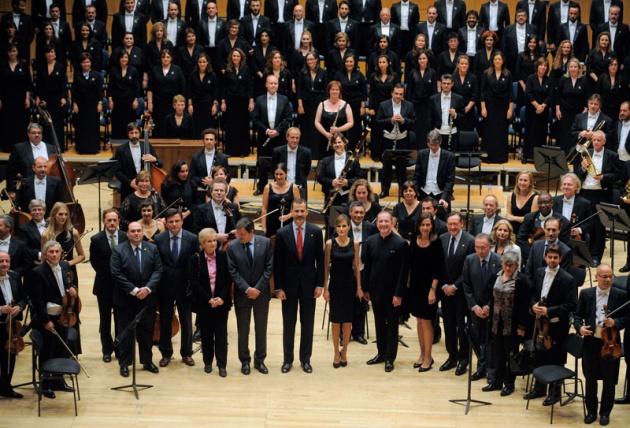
(158, 42)
(572, 93)
(503, 239)
(336, 56)
(523, 200)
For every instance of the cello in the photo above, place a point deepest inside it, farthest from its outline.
(157, 174)
(57, 167)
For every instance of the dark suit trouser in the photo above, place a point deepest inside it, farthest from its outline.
(595, 367)
(167, 309)
(6, 370)
(307, 322)
(214, 335)
(454, 310)
(52, 347)
(262, 171)
(401, 166)
(386, 325)
(105, 308)
(503, 346)
(481, 327)
(360, 308)
(598, 234)
(144, 330)
(243, 307)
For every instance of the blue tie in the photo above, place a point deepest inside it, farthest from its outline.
(138, 258)
(174, 249)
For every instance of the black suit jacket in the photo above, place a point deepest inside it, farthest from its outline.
(203, 216)
(580, 42)
(536, 259)
(246, 275)
(200, 281)
(596, 15)
(394, 37)
(19, 298)
(26, 29)
(622, 38)
(445, 174)
(611, 169)
(199, 167)
(180, 40)
(41, 286)
(139, 29)
(260, 118)
(29, 234)
(509, 43)
(299, 278)
(99, 32)
(289, 36)
(272, 12)
(246, 31)
(21, 162)
(157, 12)
(586, 312)
(477, 291)
(459, 13)
(554, 22)
(538, 19)
(78, 11)
(476, 225)
(311, 10)
(531, 223)
(385, 274)
(21, 261)
(463, 38)
(175, 272)
(368, 14)
(580, 124)
(386, 111)
(126, 169)
(327, 173)
(581, 211)
(334, 27)
(203, 31)
(367, 229)
(435, 109)
(616, 144)
(302, 163)
(413, 17)
(233, 9)
(127, 274)
(503, 17)
(454, 268)
(100, 256)
(561, 301)
(40, 13)
(54, 192)
(439, 40)
(191, 12)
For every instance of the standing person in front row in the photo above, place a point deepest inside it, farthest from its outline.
(299, 279)
(250, 260)
(137, 270)
(591, 315)
(435, 171)
(384, 278)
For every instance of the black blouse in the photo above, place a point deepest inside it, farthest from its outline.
(394, 62)
(420, 88)
(569, 96)
(493, 89)
(94, 48)
(237, 85)
(166, 87)
(309, 89)
(50, 87)
(335, 62)
(184, 131)
(354, 87)
(185, 60)
(124, 87)
(380, 91)
(537, 92)
(205, 90)
(468, 88)
(152, 53)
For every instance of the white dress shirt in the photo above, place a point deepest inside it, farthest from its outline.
(298, 29)
(209, 160)
(431, 184)
(40, 188)
(342, 24)
(564, 11)
(171, 31)
(129, 22)
(471, 42)
(430, 30)
(7, 293)
(567, 207)
(136, 154)
(494, 13)
(39, 150)
(291, 164)
(520, 37)
(385, 29)
(449, 14)
(219, 216)
(212, 31)
(550, 275)
(572, 30)
(280, 11)
(625, 129)
(404, 15)
(271, 109)
(488, 222)
(590, 183)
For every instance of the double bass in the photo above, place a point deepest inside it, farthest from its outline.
(157, 174)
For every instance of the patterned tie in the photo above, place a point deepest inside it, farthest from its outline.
(112, 240)
(300, 242)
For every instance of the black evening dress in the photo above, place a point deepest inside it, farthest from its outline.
(536, 125)
(572, 101)
(327, 120)
(311, 92)
(354, 93)
(186, 193)
(203, 93)
(497, 94)
(183, 131)
(123, 90)
(130, 208)
(422, 276)
(164, 87)
(237, 91)
(51, 87)
(273, 220)
(406, 222)
(520, 212)
(379, 91)
(469, 89)
(13, 116)
(342, 284)
(420, 87)
(87, 92)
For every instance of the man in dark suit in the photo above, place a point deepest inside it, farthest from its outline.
(484, 223)
(253, 24)
(293, 31)
(46, 285)
(23, 156)
(101, 246)
(584, 123)
(129, 21)
(366, 13)
(250, 259)
(386, 267)
(434, 31)
(210, 30)
(360, 231)
(136, 269)
(430, 205)
(597, 185)
(457, 244)
(175, 27)
(619, 33)
(12, 303)
(79, 7)
(330, 170)
(19, 252)
(536, 258)
(406, 15)
(217, 213)
(478, 277)
(536, 15)
(159, 10)
(621, 143)
(320, 17)
(576, 32)
(271, 119)
(204, 161)
(556, 289)
(63, 33)
(131, 158)
(435, 181)
(397, 118)
(195, 10)
(343, 24)
(297, 158)
(452, 16)
(25, 25)
(558, 15)
(470, 35)
(298, 271)
(591, 315)
(176, 246)
(279, 18)
(236, 10)
(445, 110)
(141, 6)
(40, 186)
(99, 30)
(502, 15)
(572, 206)
(31, 232)
(600, 13)
(511, 36)
(40, 11)
(384, 27)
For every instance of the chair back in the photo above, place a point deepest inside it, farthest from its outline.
(468, 141)
(37, 340)
(574, 345)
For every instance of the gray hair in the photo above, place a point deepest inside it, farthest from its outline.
(49, 244)
(8, 220)
(509, 257)
(36, 203)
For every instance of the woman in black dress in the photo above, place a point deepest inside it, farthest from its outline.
(571, 95)
(483, 57)
(262, 52)
(411, 59)
(10, 36)
(465, 83)
(598, 58)
(226, 46)
(86, 43)
(538, 96)
(278, 195)
(179, 123)
(423, 281)
(157, 44)
(50, 87)
(342, 284)
(335, 59)
(129, 209)
(355, 94)
(380, 86)
(203, 95)
(275, 66)
(422, 83)
(187, 55)
(525, 67)
(136, 58)
(447, 60)
(407, 212)
(333, 116)
(165, 81)
(523, 200)
(150, 226)
(311, 90)
(46, 37)
(237, 102)
(362, 191)
(297, 62)
(561, 61)
(87, 104)
(613, 87)
(123, 89)
(15, 98)
(177, 187)
(497, 105)
(381, 48)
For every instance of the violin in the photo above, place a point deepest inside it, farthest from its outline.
(536, 235)
(226, 208)
(15, 342)
(611, 349)
(543, 340)
(71, 309)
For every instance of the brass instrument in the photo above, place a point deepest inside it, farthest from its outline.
(332, 126)
(583, 141)
(627, 189)
(591, 168)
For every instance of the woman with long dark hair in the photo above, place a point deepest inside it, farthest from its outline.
(422, 83)
(86, 43)
(311, 90)
(407, 211)
(381, 48)
(15, 98)
(51, 87)
(203, 95)
(187, 55)
(525, 67)
(46, 37)
(597, 61)
(380, 86)
(177, 187)
(259, 59)
(165, 81)
(275, 66)
(483, 57)
(614, 89)
(8, 36)
(538, 97)
(355, 94)
(465, 83)
(411, 58)
(158, 43)
(279, 195)
(87, 104)
(124, 90)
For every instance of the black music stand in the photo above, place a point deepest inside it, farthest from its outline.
(613, 217)
(400, 158)
(581, 255)
(131, 328)
(93, 173)
(550, 160)
(473, 342)
(469, 165)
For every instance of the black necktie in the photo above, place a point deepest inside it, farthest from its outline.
(249, 253)
(451, 248)
(174, 249)
(138, 258)
(484, 271)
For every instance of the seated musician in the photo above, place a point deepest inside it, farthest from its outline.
(47, 284)
(12, 303)
(591, 315)
(554, 298)
(585, 124)
(484, 223)
(219, 214)
(295, 156)
(144, 192)
(205, 161)
(331, 167)
(40, 186)
(31, 232)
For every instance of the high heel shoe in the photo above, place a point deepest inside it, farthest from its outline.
(336, 365)
(426, 369)
(342, 362)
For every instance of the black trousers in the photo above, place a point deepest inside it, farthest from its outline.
(481, 327)
(454, 310)
(6, 368)
(502, 347)
(243, 307)
(595, 367)
(598, 235)
(360, 308)
(144, 330)
(167, 303)
(307, 322)
(214, 334)
(401, 166)
(105, 308)
(386, 325)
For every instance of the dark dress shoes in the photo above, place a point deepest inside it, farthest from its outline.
(164, 362)
(623, 400)
(460, 370)
(188, 361)
(491, 387)
(478, 375)
(197, 336)
(550, 400)
(389, 366)
(376, 360)
(286, 368)
(383, 194)
(449, 364)
(222, 372)
(208, 368)
(590, 418)
(11, 394)
(360, 339)
(151, 368)
(62, 386)
(534, 393)
(124, 371)
(107, 358)
(258, 192)
(245, 369)
(261, 367)
(625, 268)
(49, 394)
(604, 420)
(307, 367)
(507, 390)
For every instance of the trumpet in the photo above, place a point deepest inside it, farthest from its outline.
(627, 189)
(591, 168)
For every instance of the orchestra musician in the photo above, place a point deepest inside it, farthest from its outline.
(218, 213)
(573, 206)
(41, 186)
(484, 223)
(295, 156)
(31, 232)
(445, 111)
(19, 252)
(622, 136)
(435, 171)
(591, 315)
(329, 175)
(536, 258)
(12, 303)
(204, 161)
(585, 123)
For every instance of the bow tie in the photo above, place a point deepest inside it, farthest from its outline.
(40, 181)
(357, 229)
(212, 21)
(487, 220)
(341, 157)
(292, 152)
(567, 201)
(597, 155)
(4, 242)
(343, 21)
(209, 153)
(591, 117)
(42, 224)
(626, 123)
(447, 97)
(217, 207)
(602, 293)
(271, 98)
(3, 277)
(434, 155)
